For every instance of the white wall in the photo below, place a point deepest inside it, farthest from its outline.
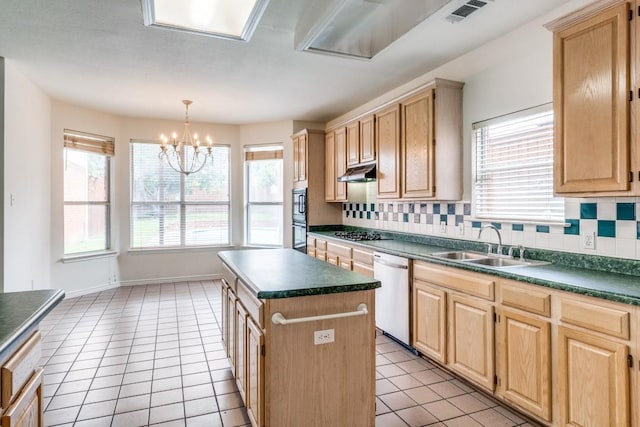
(27, 173)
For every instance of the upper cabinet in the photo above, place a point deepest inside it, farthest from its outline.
(300, 143)
(335, 165)
(592, 97)
(419, 145)
(360, 141)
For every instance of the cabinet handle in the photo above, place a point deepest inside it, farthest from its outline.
(279, 319)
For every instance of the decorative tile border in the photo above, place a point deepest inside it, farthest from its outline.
(614, 224)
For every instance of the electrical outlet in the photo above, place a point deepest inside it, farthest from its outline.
(324, 337)
(589, 240)
(443, 227)
(461, 228)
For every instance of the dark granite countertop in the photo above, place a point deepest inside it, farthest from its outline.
(20, 313)
(286, 273)
(562, 274)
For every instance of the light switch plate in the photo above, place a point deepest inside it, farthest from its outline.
(589, 240)
(461, 228)
(443, 227)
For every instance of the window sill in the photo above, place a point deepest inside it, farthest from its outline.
(152, 251)
(88, 256)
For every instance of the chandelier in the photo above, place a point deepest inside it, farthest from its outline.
(185, 155)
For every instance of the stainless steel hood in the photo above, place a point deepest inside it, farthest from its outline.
(360, 28)
(361, 173)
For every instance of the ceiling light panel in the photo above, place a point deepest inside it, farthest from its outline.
(361, 28)
(229, 19)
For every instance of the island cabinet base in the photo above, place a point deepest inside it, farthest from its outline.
(323, 385)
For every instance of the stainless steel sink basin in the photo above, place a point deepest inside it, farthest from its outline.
(503, 262)
(460, 255)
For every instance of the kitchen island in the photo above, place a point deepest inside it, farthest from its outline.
(300, 338)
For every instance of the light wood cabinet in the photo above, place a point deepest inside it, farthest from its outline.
(26, 410)
(591, 80)
(230, 326)
(387, 125)
(524, 351)
(300, 158)
(593, 380)
(361, 141)
(335, 165)
(418, 141)
(241, 349)
(430, 320)
(349, 257)
(362, 261)
(254, 400)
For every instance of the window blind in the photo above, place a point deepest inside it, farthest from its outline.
(513, 168)
(89, 142)
(169, 209)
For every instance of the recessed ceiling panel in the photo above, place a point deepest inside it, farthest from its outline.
(363, 28)
(231, 19)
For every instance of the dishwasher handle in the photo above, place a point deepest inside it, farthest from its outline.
(379, 260)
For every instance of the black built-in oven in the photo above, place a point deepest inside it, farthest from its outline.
(299, 219)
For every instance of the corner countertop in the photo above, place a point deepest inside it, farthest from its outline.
(624, 288)
(286, 273)
(20, 313)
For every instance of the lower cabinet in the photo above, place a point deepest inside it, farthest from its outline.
(241, 349)
(26, 411)
(430, 320)
(255, 373)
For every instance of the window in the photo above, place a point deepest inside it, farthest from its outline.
(264, 196)
(513, 168)
(87, 193)
(169, 209)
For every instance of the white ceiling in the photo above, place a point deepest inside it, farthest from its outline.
(99, 54)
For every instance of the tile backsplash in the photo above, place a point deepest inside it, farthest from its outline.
(602, 226)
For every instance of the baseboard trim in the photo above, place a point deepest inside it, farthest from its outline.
(86, 291)
(175, 279)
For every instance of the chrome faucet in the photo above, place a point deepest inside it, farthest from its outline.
(493, 227)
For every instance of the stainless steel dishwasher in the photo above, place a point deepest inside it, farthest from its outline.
(392, 298)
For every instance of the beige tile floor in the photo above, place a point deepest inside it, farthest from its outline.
(151, 355)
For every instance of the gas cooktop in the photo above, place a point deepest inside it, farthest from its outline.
(358, 235)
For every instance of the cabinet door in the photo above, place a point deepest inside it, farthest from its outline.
(353, 143)
(330, 168)
(341, 163)
(418, 146)
(591, 109)
(26, 410)
(296, 156)
(241, 347)
(302, 157)
(593, 380)
(231, 327)
(471, 348)
(430, 321)
(225, 321)
(388, 149)
(255, 374)
(367, 139)
(525, 362)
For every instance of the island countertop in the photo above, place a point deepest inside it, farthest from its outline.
(286, 273)
(20, 313)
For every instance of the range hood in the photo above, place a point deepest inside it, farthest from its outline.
(361, 173)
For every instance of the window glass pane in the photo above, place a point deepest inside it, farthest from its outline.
(265, 181)
(85, 228)
(151, 179)
(211, 183)
(514, 168)
(85, 176)
(264, 225)
(155, 225)
(207, 225)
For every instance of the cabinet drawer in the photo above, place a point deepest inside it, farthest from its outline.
(339, 250)
(363, 256)
(311, 242)
(27, 409)
(321, 255)
(311, 252)
(346, 264)
(598, 318)
(253, 305)
(19, 368)
(229, 277)
(331, 259)
(470, 283)
(363, 269)
(321, 244)
(516, 295)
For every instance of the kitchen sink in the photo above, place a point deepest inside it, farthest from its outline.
(492, 261)
(460, 255)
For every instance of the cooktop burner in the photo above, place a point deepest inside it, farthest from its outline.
(358, 235)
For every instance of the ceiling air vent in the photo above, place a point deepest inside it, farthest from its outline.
(465, 10)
